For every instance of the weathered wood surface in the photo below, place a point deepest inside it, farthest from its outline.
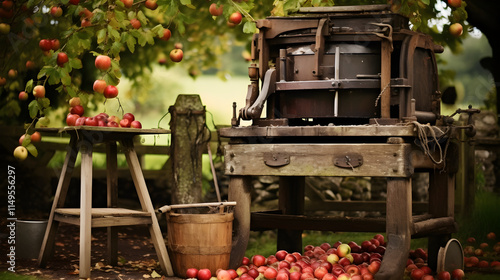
(379, 160)
(189, 138)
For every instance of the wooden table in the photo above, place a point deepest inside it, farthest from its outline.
(82, 141)
(367, 150)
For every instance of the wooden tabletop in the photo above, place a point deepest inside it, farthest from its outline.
(107, 130)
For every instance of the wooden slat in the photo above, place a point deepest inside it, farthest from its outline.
(104, 212)
(379, 160)
(378, 206)
(266, 221)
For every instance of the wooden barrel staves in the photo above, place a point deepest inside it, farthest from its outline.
(199, 241)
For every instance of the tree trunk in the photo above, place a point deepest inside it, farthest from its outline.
(189, 137)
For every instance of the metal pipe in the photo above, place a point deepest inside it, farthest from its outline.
(282, 65)
(337, 79)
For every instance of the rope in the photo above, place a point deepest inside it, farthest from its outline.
(380, 95)
(423, 137)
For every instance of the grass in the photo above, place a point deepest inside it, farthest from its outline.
(12, 276)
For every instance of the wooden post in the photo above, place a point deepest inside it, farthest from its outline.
(291, 202)
(189, 136)
(385, 75)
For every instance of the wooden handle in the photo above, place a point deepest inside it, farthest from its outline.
(167, 208)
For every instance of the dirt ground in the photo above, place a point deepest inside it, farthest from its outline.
(137, 257)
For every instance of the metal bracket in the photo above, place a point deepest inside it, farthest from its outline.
(349, 160)
(386, 32)
(276, 159)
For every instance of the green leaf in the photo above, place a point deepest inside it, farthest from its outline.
(113, 33)
(142, 18)
(426, 2)
(32, 150)
(249, 27)
(186, 2)
(66, 79)
(33, 109)
(71, 91)
(43, 103)
(115, 49)
(29, 86)
(131, 43)
(75, 63)
(26, 140)
(101, 35)
(158, 30)
(43, 71)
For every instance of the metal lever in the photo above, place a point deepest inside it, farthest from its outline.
(269, 86)
(386, 27)
(471, 130)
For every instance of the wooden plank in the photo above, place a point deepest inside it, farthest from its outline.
(85, 210)
(147, 205)
(373, 206)
(379, 160)
(291, 202)
(267, 221)
(385, 79)
(319, 131)
(110, 221)
(59, 199)
(240, 190)
(104, 212)
(112, 198)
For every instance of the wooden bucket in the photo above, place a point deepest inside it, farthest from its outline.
(199, 241)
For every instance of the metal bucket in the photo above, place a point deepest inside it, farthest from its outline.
(29, 238)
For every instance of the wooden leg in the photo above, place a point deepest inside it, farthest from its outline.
(86, 210)
(112, 199)
(147, 205)
(291, 202)
(240, 191)
(441, 204)
(398, 229)
(59, 199)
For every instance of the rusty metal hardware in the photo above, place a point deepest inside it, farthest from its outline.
(386, 32)
(470, 129)
(319, 47)
(276, 159)
(349, 160)
(269, 86)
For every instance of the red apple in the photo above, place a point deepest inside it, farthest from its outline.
(427, 277)
(426, 269)
(344, 276)
(416, 274)
(125, 123)
(308, 247)
(102, 62)
(352, 270)
(232, 273)
(85, 22)
(455, 3)
(295, 275)
(99, 86)
(471, 240)
(216, 11)
(270, 273)
(356, 277)
(3, 81)
(56, 11)
(245, 261)
(110, 92)
(166, 34)
(23, 96)
(190, 272)
(204, 274)
(90, 121)
(235, 18)
(457, 274)
(491, 236)
(374, 267)
(62, 58)
(136, 124)
(271, 259)
(325, 246)
(176, 55)
(282, 276)
(281, 254)
(80, 121)
(71, 119)
(36, 137)
(74, 2)
(365, 245)
(45, 45)
(128, 4)
(129, 116)
(30, 65)
(223, 274)
(253, 272)
(444, 275)
(7, 4)
(55, 44)
(456, 30)
(39, 91)
(77, 110)
(136, 24)
(113, 124)
(151, 4)
(12, 73)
